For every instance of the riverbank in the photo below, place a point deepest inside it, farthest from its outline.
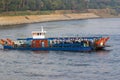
(13, 20)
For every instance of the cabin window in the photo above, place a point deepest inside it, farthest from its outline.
(37, 33)
(33, 33)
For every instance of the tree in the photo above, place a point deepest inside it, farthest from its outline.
(34, 5)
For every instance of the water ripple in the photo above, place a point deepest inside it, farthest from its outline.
(62, 65)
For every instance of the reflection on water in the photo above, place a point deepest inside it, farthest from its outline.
(40, 52)
(63, 65)
(103, 52)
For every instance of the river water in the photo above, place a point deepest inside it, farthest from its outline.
(63, 65)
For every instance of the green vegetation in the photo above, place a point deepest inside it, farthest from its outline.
(104, 4)
(46, 6)
(99, 4)
(38, 5)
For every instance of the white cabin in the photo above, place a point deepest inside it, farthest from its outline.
(38, 34)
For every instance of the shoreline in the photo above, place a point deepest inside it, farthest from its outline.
(15, 20)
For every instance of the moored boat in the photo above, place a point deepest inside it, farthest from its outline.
(39, 42)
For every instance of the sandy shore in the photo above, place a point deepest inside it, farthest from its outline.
(13, 20)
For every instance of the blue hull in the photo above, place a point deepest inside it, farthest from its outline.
(57, 44)
(38, 42)
(51, 49)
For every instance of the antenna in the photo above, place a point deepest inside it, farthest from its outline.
(42, 29)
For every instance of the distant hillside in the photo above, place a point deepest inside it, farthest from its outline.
(25, 7)
(114, 5)
(38, 5)
(98, 4)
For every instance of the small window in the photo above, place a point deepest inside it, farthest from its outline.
(37, 33)
(34, 33)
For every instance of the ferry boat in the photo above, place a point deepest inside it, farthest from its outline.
(40, 42)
